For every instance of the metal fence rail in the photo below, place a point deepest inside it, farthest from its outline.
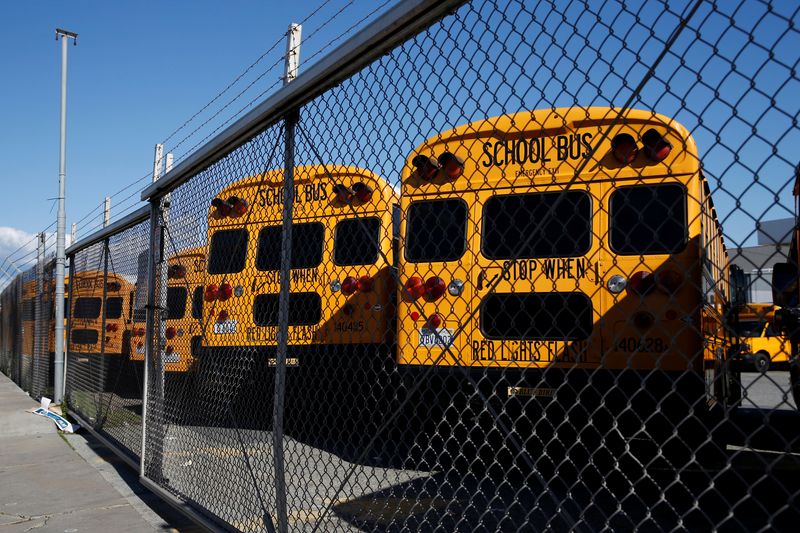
(481, 269)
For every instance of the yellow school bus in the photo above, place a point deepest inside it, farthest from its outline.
(29, 330)
(99, 351)
(185, 289)
(572, 255)
(340, 304)
(761, 343)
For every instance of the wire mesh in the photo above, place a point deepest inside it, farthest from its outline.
(511, 303)
(504, 277)
(105, 357)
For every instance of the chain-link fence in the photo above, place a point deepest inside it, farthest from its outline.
(27, 353)
(105, 334)
(489, 266)
(484, 280)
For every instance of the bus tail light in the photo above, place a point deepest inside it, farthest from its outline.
(669, 281)
(238, 206)
(656, 147)
(624, 148)
(414, 287)
(170, 332)
(452, 164)
(349, 285)
(363, 192)
(641, 283)
(643, 320)
(111, 328)
(365, 284)
(176, 272)
(138, 332)
(343, 194)
(222, 210)
(435, 288)
(225, 292)
(434, 321)
(427, 167)
(222, 316)
(211, 292)
(414, 316)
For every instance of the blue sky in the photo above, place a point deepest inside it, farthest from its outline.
(139, 71)
(142, 68)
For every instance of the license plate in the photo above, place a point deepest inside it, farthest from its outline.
(229, 326)
(140, 350)
(439, 338)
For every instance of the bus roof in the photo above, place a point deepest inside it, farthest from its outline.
(551, 145)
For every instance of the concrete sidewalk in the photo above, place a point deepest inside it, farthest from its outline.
(48, 484)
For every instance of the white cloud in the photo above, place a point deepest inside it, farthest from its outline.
(21, 246)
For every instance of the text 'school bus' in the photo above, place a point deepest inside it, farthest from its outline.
(340, 302)
(618, 296)
(97, 335)
(183, 323)
(762, 344)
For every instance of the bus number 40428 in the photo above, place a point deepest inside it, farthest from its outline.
(641, 344)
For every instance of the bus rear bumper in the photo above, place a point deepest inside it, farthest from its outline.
(554, 414)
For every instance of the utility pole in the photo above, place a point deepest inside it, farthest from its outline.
(58, 366)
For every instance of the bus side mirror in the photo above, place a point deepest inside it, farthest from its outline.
(784, 285)
(738, 287)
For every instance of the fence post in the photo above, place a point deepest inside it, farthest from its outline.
(42, 326)
(106, 211)
(103, 359)
(156, 303)
(290, 121)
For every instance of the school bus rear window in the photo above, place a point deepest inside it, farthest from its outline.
(555, 224)
(436, 231)
(114, 307)
(197, 303)
(176, 302)
(228, 251)
(87, 308)
(83, 336)
(355, 241)
(648, 219)
(307, 244)
(536, 316)
(305, 308)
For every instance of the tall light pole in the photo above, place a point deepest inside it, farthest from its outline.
(58, 367)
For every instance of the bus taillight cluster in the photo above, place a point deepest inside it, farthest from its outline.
(222, 292)
(360, 192)
(644, 282)
(176, 272)
(351, 285)
(625, 148)
(233, 207)
(431, 289)
(447, 163)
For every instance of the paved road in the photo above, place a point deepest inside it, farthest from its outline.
(767, 391)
